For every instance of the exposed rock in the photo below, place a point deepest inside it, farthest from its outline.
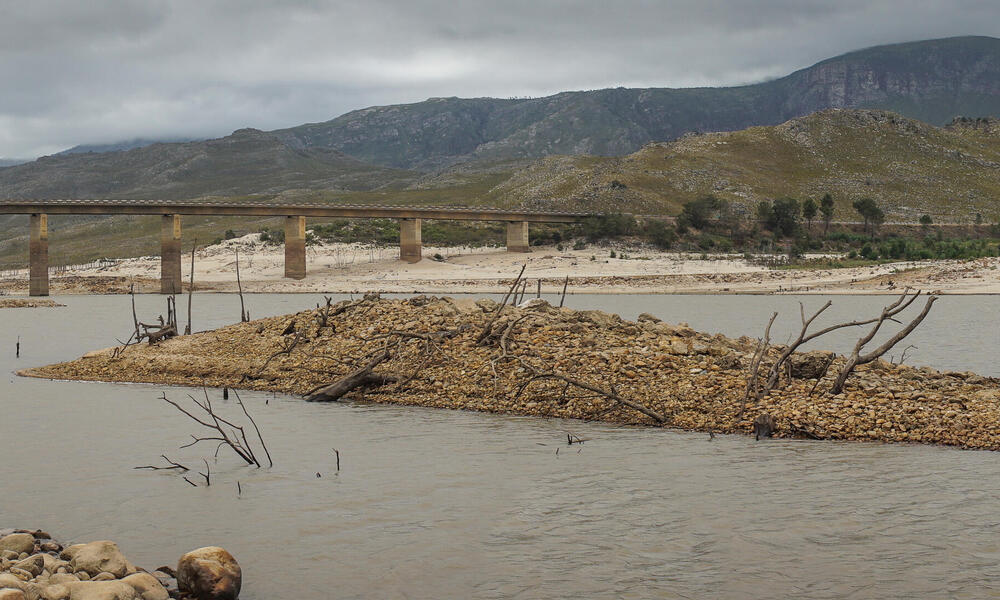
(101, 590)
(18, 542)
(11, 594)
(209, 573)
(96, 557)
(147, 586)
(33, 564)
(648, 318)
(810, 365)
(729, 361)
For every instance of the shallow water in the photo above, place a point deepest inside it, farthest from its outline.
(444, 504)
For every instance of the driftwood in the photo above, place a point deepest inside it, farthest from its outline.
(363, 377)
(165, 328)
(611, 394)
(857, 358)
(563, 297)
(537, 374)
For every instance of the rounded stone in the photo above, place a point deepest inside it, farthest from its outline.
(209, 573)
(147, 586)
(18, 542)
(97, 557)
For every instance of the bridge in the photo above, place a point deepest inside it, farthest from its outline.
(295, 227)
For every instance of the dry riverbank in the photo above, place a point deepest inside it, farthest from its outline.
(425, 351)
(353, 268)
(33, 566)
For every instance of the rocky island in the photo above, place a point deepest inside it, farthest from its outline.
(537, 359)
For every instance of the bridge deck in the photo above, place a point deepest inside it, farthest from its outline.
(272, 209)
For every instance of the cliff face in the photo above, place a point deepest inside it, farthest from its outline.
(933, 81)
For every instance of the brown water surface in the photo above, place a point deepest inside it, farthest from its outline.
(444, 504)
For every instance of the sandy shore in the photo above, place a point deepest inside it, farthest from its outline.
(355, 268)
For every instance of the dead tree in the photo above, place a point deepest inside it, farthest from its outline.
(753, 379)
(171, 465)
(166, 328)
(226, 432)
(488, 330)
(244, 314)
(610, 394)
(187, 328)
(288, 345)
(774, 373)
(857, 358)
(804, 337)
(323, 314)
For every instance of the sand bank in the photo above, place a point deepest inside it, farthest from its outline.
(355, 268)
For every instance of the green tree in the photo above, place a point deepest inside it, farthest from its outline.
(826, 208)
(925, 221)
(697, 213)
(608, 226)
(870, 212)
(660, 234)
(808, 212)
(765, 212)
(785, 216)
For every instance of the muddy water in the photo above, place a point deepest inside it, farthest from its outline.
(440, 504)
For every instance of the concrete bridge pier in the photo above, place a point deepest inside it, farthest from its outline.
(295, 247)
(38, 255)
(170, 254)
(409, 240)
(517, 236)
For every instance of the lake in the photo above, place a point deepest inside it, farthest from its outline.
(446, 504)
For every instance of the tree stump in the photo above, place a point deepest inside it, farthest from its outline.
(763, 426)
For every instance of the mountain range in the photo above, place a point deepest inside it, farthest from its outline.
(864, 123)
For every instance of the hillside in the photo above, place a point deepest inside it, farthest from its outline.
(908, 166)
(119, 146)
(933, 81)
(248, 161)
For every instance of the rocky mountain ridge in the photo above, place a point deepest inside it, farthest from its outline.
(933, 81)
(909, 167)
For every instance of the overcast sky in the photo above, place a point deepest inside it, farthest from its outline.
(99, 71)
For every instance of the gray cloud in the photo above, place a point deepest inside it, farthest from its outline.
(103, 71)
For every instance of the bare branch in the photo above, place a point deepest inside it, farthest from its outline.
(856, 358)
